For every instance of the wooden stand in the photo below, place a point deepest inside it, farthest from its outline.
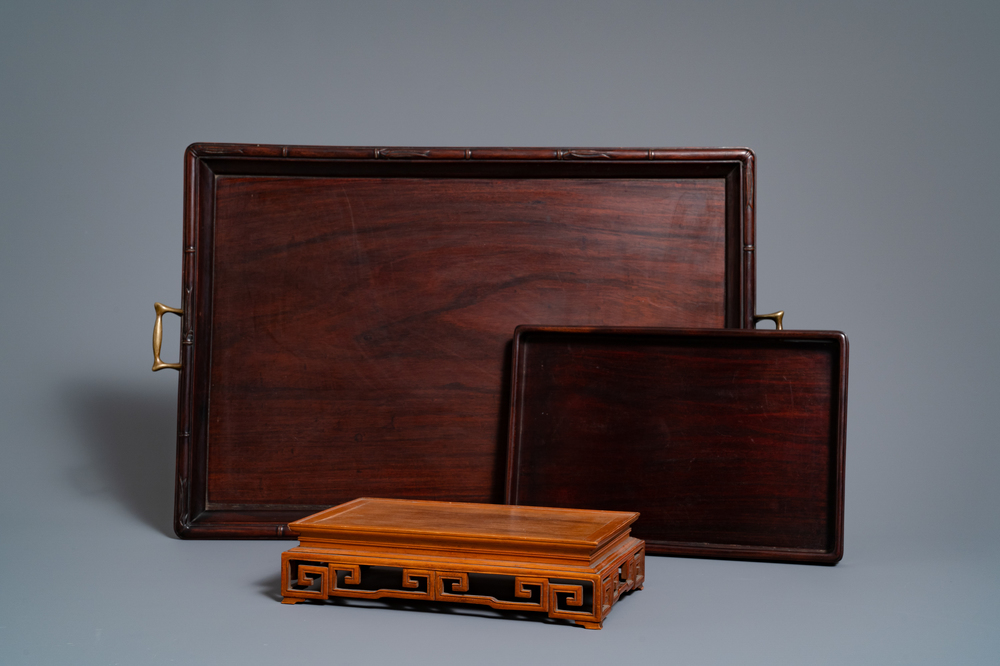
(571, 564)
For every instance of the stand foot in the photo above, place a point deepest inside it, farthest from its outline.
(291, 600)
(589, 625)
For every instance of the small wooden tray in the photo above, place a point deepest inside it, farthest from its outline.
(729, 443)
(569, 563)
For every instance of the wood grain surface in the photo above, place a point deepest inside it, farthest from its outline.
(349, 311)
(511, 531)
(729, 443)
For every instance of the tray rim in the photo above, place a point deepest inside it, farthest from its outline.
(719, 550)
(203, 162)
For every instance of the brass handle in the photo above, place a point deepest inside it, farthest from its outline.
(162, 309)
(776, 317)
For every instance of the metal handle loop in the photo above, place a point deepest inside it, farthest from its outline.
(776, 317)
(162, 309)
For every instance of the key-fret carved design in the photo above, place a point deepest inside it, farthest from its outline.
(412, 578)
(567, 601)
(455, 586)
(586, 600)
(639, 567)
(607, 593)
(455, 582)
(310, 580)
(353, 576)
(522, 585)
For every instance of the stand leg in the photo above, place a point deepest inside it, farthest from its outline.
(589, 625)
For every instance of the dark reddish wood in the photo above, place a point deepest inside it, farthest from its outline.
(348, 310)
(728, 443)
(513, 153)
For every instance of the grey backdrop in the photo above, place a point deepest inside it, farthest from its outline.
(874, 128)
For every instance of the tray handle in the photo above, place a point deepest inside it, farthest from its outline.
(776, 317)
(161, 310)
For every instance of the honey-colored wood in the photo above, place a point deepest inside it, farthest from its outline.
(568, 563)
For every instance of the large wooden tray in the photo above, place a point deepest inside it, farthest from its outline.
(729, 443)
(347, 312)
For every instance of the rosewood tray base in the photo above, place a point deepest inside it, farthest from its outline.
(508, 558)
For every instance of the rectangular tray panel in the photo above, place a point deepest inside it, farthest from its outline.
(350, 310)
(728, 443)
